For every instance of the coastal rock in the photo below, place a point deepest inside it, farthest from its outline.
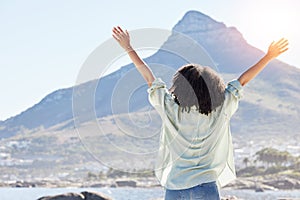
(114, 185)
(126, 183)
(250, 184)
(95, 196)
(74, 196)
(229, 198)
(242, 184)
(22, 184)
(97, 185)
(268, 183)
(284, 184)
(68, 196)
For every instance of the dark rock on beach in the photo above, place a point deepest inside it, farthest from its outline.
(95, 196)
(126, 183)
(68, 196)
(229, 198)
(74, 196)
(23, 184)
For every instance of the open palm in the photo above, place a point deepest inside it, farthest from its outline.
(122, 37)
(277, 48)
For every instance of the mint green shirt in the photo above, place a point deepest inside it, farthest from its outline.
(194, 148)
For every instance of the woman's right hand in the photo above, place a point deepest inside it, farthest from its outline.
(277, 48)
(122, 38)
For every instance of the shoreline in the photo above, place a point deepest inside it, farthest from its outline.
(259, 184)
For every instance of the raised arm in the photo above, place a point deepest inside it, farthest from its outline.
(275, 49)
(123, 39)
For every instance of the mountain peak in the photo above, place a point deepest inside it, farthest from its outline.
(195, 13)
(197, 21)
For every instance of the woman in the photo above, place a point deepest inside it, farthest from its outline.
(196, 154)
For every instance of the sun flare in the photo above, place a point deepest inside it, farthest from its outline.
(269, 20)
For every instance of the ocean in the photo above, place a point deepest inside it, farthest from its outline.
(137, 193)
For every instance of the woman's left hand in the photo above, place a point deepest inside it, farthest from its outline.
(122, 37)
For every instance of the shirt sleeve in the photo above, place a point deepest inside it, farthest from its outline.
(233, 94)
(157, 92)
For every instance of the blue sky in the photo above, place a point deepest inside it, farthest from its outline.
(44, 43)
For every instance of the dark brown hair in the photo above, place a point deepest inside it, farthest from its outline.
(195, 85)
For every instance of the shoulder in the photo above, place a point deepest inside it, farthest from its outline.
(235, 89)
(159, 95)
(233, 94)
(158, 83)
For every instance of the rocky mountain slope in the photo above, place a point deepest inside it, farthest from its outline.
(271, 101)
